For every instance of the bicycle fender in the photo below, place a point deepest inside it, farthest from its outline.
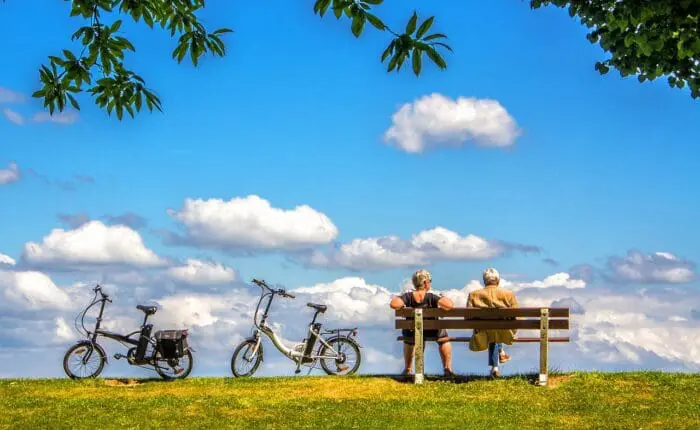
(346, 338)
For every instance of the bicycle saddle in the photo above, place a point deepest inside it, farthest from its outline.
(148, 310)
(320, 308)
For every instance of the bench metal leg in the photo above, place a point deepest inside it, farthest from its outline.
(419, 346)
(544, 345)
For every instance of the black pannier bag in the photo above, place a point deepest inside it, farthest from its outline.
(171, 343)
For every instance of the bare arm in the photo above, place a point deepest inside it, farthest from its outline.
(445, 303)
(396, 303)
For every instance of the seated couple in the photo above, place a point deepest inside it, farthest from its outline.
(491, 296)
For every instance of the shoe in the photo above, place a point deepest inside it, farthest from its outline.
(495, 373)
(449, 373)
(406, 372)
(503, 357)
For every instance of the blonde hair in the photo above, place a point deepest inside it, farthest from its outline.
(491, 276)
(419, 278)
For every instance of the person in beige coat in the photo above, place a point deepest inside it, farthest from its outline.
(492, 296)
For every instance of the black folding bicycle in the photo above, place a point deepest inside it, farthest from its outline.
(168, 351)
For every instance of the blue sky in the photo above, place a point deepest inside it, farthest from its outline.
(296, 113)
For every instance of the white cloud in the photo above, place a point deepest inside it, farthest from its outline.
(562, 279)
(92, 243)
(252, 223)
(10, 174)
(6, 259)
(197, 272)
(659, 267)
(436, 120)
(65, 118)
(13, 117)
(423, 248)
(352, 300)
(9, 96)
(31, 291)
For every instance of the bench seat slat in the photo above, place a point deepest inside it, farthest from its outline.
(482, 324)
(520, 339)
(481, 313)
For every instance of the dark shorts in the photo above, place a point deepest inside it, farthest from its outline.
(409, 335)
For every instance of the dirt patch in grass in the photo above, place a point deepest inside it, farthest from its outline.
(556, 381)
(121, 383)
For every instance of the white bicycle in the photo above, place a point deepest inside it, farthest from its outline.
(338, 351)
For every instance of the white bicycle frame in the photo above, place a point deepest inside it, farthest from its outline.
(295, 353)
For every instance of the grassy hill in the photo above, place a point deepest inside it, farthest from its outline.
(578, 400)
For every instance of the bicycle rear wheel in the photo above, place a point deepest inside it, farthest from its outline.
(243, 362)
(173, 368)
(84, 360)
(348, 356)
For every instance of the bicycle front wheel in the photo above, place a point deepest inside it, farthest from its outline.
(243, 362)
(84, 360)
(347, 356)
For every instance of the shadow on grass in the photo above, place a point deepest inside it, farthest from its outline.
(530, 378)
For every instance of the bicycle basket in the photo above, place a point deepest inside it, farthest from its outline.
(171, 343)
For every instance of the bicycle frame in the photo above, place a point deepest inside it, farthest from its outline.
(127, 339)
(314, 333)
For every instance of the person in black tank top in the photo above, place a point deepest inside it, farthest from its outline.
(422, 298)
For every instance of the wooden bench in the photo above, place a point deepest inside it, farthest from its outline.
(542, 319)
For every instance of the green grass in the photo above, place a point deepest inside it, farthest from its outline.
(577, 401)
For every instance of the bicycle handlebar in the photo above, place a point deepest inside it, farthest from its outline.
(261, 283)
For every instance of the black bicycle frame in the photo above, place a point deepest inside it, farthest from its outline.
(141, 343)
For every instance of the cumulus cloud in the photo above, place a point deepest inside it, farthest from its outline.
(351, 300)
(7, 260)
(9, 174)
(251, 223)
(9, 96)
(92, 243)
(64, 118)
(436, 120)
(423, 248)
(659, 267)
(13, 117)
(31, 291)
(562, 280)
(197, 272)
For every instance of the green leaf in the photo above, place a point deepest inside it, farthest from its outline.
(73, 102)
(411, 26)
(115, 26)
(424, 27)
(436, 57)
(222, 31)
(444, 45)
(417, 61)
(436, 36)
(358, 23)
(375, 2)
(389, 49)
(392, 62)
(375, 21)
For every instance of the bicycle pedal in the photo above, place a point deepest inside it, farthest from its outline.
(178, 371)
(118, 356)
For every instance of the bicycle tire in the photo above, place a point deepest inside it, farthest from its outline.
(353, 345)
(184, 374)
(238, 356)
(96, 349)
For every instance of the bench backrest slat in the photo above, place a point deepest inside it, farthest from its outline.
(485, 313)
(483, 324)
